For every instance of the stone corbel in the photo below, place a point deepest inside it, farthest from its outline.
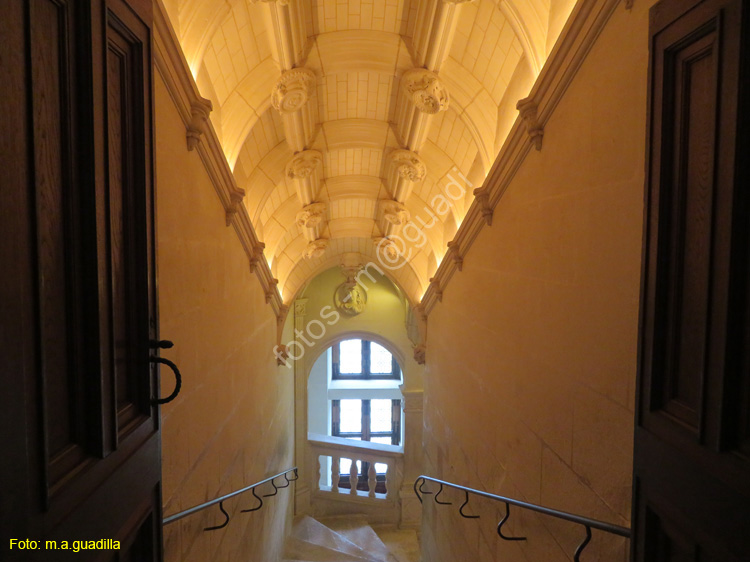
(405, 168)
(528, 108)
(426, 90)
(420, 351)
(420, 311)
(315, 249)
(235, 203)
(387, 248)
(408, 165)
(438, 291)
(271, 290)
(302, 169)
(456, 256)
(395, 213)
(282, 355)
(311, 215)
(256, 256)
(483, 198)
(293, 89)
(304, 164)
(200, 109)
(421, 95)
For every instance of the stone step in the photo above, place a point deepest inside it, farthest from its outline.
(349, 538)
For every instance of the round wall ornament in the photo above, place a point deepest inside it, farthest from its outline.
(350, 299)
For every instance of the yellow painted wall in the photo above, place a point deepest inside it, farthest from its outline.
(232, 424)
(531, 356)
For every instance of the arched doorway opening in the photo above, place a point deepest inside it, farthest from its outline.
(354, 393)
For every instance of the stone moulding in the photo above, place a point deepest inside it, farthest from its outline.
(171, 65)
(586, 22)
(427, 92)
(292, 91)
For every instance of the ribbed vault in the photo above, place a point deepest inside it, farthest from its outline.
(359, 129)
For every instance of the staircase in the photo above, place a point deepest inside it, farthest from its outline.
(349, 539)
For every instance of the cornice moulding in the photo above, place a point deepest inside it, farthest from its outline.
(585, 24)
(171, 64)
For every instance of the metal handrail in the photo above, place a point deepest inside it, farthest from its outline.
(222, 499)
(587, 522)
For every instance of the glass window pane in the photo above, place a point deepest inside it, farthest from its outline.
(351, 416)
(380, 360)
(380, 415)
(350, 357)
(385, 440)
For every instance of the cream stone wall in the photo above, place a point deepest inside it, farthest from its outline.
(531, 356)
(232, 424)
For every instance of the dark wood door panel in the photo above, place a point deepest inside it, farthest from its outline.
(694, 506)
(691, 473)
(79, 433)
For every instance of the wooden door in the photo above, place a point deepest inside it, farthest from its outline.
(79, 434)
(692, 439)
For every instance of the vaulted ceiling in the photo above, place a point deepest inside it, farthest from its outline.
(358, 128)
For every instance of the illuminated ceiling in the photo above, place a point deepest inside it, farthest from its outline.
(350, 122)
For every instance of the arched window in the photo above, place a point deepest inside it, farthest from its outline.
(363, 360)
(373, 419)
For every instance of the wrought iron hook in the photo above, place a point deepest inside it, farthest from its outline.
(296, 476)
(579, 550)
(420, 487)
(226, 522)
(177, 378)
(461, 509)
(502, 522)
(287, 482)
(416, 488)
(255, 508)
(438, 501)
(275, 490)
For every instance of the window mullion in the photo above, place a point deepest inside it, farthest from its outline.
(365, 359)
(396, 422)
(335, 417)
(365, 420)
(335, 359)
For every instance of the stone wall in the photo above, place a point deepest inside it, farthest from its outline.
(531, 356)
(232, 424)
